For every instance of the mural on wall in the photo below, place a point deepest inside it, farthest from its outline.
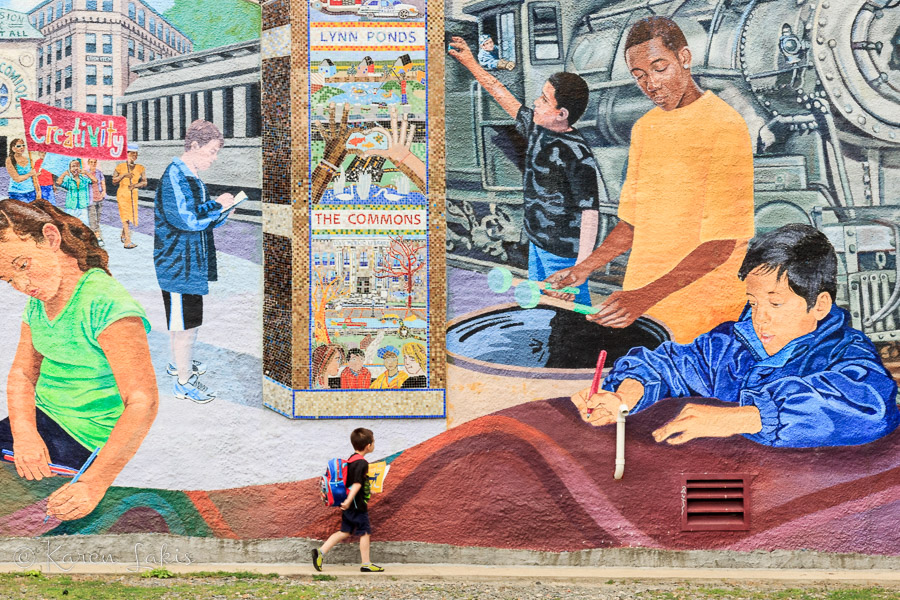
(586, 212)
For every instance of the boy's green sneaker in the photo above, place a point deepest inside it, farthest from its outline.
(371, 568)
(317, 559)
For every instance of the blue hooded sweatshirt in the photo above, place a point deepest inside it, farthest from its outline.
(826, 388)
(184, 250)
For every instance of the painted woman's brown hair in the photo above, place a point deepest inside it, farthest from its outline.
(28, 220)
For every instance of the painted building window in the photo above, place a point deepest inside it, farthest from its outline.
(91, 103)
(107, 105)
(107, 75)
(68, 77)
(59, 81)
(131, 48)
(40, 56)
(68, 45)
(317, 261)
(41, 20)
(141, 17)
(152, 55)
(134, 121)
(48, 85)
(132, 12)
(363, 259)
(40, 86)
(145, 120)
(546, 35)
(195, 106)
(140, 52)
(68, 103)
(208, 106)
(159, 30)
(108, 5)
(59, 49)
(68, 6)
(59, 8)
(58, 104)
(49, 15)
(92, 4)
(49, 53)
(228, 108)
(157, 119)
(182, 125)
(152, 25)
(170, 118)
(254, 111)
(90, 75)
(90, 43)
(107, 43)
(502, 29)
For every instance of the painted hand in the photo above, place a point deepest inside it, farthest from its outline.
(226, 200)
(599, 409)
(73, 501)
(32, 457)
(622, 309)
(399, 138)
(345, 504)
(459, 50)
(698, 421)
(571, 277)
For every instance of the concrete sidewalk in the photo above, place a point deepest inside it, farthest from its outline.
(472, 573)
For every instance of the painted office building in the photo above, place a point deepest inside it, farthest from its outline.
(91, 47)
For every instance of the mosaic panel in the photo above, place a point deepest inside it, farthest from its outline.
(277, 351)
(276, 13)
(276, 130)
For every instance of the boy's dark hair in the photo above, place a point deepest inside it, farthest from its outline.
(663, 28)
(355, 352)
(361, 437)
(571, 93)
(801, 251)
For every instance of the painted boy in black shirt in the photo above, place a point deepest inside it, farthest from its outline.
(355, 509)
(561, 181)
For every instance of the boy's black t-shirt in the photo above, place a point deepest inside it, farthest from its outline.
(358, 472)
(560, 182)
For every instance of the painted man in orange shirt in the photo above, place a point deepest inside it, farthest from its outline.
(686, 207)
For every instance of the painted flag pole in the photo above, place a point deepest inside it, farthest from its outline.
(34, 177)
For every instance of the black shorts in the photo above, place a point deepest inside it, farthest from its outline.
(355, 522)
(183, 311)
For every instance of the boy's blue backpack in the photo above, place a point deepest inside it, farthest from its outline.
(334, 481)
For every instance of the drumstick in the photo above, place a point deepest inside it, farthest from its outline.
(598, 378)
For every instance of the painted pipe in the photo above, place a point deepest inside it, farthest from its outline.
(620, 441)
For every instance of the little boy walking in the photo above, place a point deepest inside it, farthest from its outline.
(355, 509)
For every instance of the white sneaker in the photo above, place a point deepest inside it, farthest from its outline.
(194, 390)
(199, 368)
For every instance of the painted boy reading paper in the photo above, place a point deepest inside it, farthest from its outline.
(797, 373)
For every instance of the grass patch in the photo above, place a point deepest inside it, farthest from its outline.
(231, 575)
(158, 573)
(324, 577)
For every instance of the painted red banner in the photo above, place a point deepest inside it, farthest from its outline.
(85, 135)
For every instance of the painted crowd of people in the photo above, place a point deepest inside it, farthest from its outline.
(334, 367)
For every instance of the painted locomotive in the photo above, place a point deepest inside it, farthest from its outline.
(817, 81)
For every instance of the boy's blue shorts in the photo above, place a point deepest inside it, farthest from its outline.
(355, 522)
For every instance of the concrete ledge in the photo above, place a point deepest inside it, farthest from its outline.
(136, 552)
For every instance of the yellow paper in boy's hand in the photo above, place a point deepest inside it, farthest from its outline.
(377, 474)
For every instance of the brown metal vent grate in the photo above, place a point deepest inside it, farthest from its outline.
(715, 502)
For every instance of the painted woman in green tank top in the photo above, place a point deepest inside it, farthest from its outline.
(82, 377)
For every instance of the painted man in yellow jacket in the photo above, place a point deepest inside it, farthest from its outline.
(686, 207)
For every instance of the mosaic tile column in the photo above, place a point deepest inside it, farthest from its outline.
(353, 217)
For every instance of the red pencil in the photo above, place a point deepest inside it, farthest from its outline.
(598, 377)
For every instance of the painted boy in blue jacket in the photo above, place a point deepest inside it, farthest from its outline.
(798, 374)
